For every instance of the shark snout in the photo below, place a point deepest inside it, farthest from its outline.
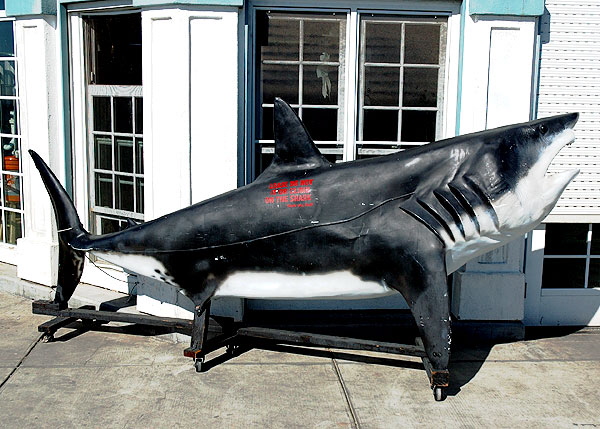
(571, 119)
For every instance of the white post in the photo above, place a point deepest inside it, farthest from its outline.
(191, 69)
(37, 259)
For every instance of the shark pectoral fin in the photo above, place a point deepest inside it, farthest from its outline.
(294, 148)
(431, 310)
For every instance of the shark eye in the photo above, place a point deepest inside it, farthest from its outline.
(543, 129)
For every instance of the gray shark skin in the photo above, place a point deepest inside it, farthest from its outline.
(400, 222)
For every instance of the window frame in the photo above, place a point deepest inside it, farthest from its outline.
(17, 136)
(587, 257)
(353, 10)
(80, 133)
(362, 64)
(126, 91)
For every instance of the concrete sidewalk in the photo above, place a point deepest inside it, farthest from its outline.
(112, 379)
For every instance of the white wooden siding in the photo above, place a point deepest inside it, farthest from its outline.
(569, 81)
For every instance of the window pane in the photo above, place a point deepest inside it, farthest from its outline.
(7, 41)
(380, 125)
(123, 114)
(108, 226)
(382, 42)
(420, 87)
(13, 227)
(563, 273)
(102, 153)
(8, 115)
(418, 126)
(124, 154)
(139, 193)
(566, 238)
(422, 44)
(117, 49)
(124, 197)
(101, 114)
(12, 191)
(321, 123)
(139, 156)
(280, 81)
(594, 279)
(104, 190)
(321, 40)
(320, 85)
(7, 78)
(266, 124)
(595, 247)
(139, 115)
(279, 38)
(10, 151)
(382, 86)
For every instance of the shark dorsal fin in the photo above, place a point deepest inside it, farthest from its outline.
(294, 148)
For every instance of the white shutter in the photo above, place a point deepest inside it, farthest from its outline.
(569, 81)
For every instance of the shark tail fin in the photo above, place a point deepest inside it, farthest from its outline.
(70, 229)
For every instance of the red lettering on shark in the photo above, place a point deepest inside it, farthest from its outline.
(295, 193)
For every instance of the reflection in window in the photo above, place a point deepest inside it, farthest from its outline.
(11, 202)
(571, 256)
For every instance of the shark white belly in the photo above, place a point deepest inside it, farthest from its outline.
(265, 284)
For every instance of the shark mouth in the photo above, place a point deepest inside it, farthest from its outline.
(559, 180)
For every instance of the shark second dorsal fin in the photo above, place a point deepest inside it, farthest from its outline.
(294, 148)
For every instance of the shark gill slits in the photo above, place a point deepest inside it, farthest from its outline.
(485, 199)
(465, 203)
(452, 206)
(437, 217)
(423, 216)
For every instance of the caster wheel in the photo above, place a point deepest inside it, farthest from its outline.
(439, 394)
(48, 338)
(198, 364)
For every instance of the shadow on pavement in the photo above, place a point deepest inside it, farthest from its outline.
(468, 355)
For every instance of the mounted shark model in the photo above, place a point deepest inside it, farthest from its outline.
(310, 228)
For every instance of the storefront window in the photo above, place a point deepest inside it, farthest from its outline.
(11, 202)
(394, 67)
(115, 122)
(571, 256)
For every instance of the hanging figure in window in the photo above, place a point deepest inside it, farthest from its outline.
(323, 74)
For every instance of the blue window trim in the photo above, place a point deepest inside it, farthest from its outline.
(476, 7)
(507, 7)
(49, 7)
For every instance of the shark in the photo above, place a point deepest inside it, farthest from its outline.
(309, 228)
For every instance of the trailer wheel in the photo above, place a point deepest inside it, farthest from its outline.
(439, 394)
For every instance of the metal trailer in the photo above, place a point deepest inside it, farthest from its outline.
(233, 336)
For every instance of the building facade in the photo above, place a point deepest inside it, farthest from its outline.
(143, 107)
